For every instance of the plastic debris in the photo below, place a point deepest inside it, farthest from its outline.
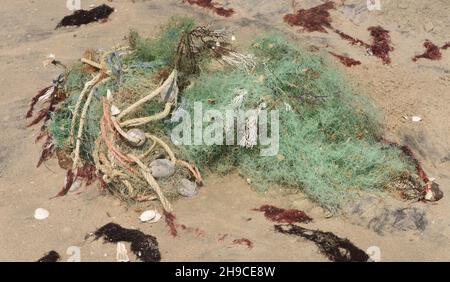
(122, 255)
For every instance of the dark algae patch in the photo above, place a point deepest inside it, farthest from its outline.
(209, 4)
(170, 219)
(52, 256)
(284, 216)
(81, 17)
(144, 246)
(333, 247)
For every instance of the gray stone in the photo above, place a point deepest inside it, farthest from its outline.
(162, 168)
(187, 188)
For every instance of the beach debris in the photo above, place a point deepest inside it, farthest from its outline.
(187, 188)
(333, 247)
(80, 17)
(416, 119)
(209, 4)
(433, 52)
(284, 216)
(144, 246)
(162, 168)
(51, 256)
(150, 216)
(347, 61)
(243, 241)
(122, 255)
(41, 214)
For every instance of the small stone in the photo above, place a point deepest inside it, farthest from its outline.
(187, 188)
(162, 168)
(137, 135)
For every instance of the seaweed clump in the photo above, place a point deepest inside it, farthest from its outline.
(313, 19)
(144, 246)
(284, 216)
(335, 248)
(433, 52)
(209, 4)
(51, 256)
(81, 17)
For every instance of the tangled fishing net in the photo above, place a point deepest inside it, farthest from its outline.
(110, 116)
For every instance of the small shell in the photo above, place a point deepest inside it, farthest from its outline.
(122, 255)
(137, 134)
(41, 214)
(416, 119)
(115, 110)
(150, 216)
(233, 38)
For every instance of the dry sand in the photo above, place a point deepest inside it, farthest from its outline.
(224, 203)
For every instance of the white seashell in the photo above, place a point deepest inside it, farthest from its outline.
(416, 119)
(233, 38)
(161, 168)
(138, 135)
(147, 215)
(41, 214)
(115, 110)
(150, 216)
(122, 255)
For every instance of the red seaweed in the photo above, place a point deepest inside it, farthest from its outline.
(170, 219)
(87, 172)
(352, 40)
(349, 62)
(318, 19)
(446, 46)
(197, 231)
(243, 241)
(432, 52)
(313, 19)
(408, 152)
(284, 216)
(70, 179)
(48, 150)
(209, 4)
(381, 43)
(35, 99)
